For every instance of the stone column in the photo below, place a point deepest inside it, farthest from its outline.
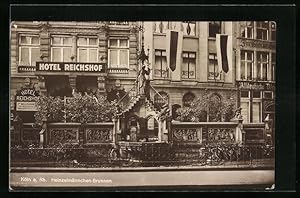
(160, 125)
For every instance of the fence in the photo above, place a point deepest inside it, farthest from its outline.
(146, 155)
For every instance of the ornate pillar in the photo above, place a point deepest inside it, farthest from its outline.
(41, 85)
(72, 80)
(101, 84)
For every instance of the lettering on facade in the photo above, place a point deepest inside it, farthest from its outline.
(256, 44)
(69, 67)
(256, 86)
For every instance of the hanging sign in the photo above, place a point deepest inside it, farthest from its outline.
(26, 99)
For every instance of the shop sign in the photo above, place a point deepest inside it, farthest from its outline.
(256, 44)
(69, 67)
(26, 99)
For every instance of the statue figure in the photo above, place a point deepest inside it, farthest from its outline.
(143, 81)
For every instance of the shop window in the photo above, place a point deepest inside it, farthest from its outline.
(161, 69)
(246, 67)
(29, 50)
(118, 53)
(188, 99)
(262, 30)
(262, 65)
(214, 28)
(86, 84)
(189, 65)
(273, 31)
(273, 64)
(189, 28)
(160, 99)
(61, 49)
(247, 29)
(213, 73)
(58, 86)
(87, 49)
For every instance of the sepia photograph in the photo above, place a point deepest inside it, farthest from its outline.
(142, 103)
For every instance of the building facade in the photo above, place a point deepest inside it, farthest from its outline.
(57, 58)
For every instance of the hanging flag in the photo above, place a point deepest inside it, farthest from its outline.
(174, 49)
(224, 52)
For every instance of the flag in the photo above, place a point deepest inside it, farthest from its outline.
(224, 52)
(174, 44)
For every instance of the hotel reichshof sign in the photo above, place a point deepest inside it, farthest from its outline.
(26, 99)
(69, 67)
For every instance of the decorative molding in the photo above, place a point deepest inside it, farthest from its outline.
(186, 134)
(221, 135)
(98, 135)
(64, 135)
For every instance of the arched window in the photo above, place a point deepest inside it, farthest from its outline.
(187, 99)
(160, 99)
(174, 109)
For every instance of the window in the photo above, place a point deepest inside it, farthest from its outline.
(246, 65)
(273, 31)
(247, 29)
(213, 73)
(29, 51)
(245, 94)
(188, 65)
(61, 49)
(262, 65)
(118, 53)
(87, 49)
(189, 28)
(161, 69)
(256, 94)
(262, 30)
(175, 107)
(245, 111)
(273, 64)
(214, 28)
(188, 99)
(256, 110)
(268, 95)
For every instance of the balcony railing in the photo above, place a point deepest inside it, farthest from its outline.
(117, 70)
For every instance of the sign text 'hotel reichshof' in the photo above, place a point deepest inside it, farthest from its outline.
(69, 67)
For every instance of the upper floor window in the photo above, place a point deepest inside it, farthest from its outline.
(214, 28)
(247, 29)
(262, 65)
(273, 64)
(246, 68)
(29, 50)
(118, 53)
(262, 30)
(188, 65)
(161, 69)
(87, 49)
(61, 49)
(213, 73)
(273, 31)
(189, 28)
